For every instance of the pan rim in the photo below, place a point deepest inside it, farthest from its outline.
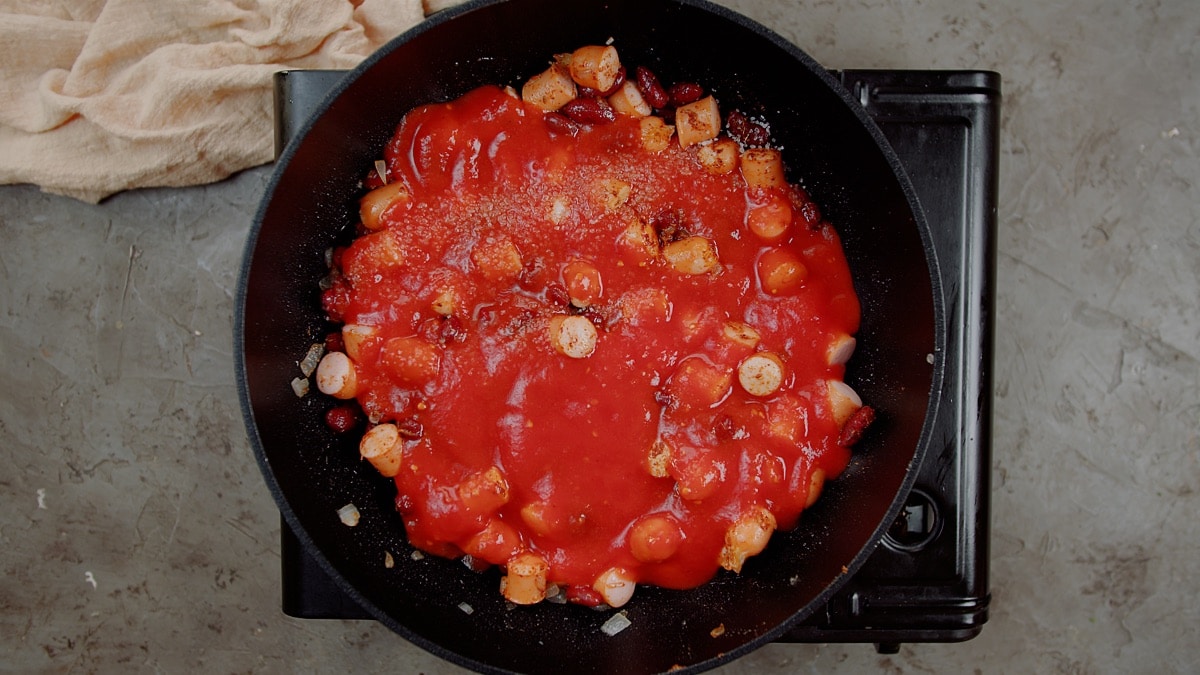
(937, 367)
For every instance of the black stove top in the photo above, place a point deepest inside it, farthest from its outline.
(928, 580)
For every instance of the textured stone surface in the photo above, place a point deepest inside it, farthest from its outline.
(136, 533)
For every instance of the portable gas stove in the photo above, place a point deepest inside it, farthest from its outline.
(928, 580)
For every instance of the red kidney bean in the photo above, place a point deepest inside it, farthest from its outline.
(336, 257)
(443, 330)
(373, 180)
(621, 75)
(343, 418)
(855, 426)
(683, 93)
(410, 429)
(809, 212)
(334, 342)
(670, 226)
(590, 111)
(746, 131)
(558, 295)
(561, 124)
(588, 92)
(594, 314)
(650, 88)
(582, 595)
(336, 301)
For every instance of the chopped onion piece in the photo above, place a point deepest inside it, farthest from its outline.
(467, 609)
(300, 386)
(556, 594)
(615, 624)
(388, 561)
(308, 365)
(381, 169)
(417, 555)
(349, 515)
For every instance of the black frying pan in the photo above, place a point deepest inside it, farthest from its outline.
(829, 144)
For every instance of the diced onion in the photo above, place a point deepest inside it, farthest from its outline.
(300, 386)
(555, 594)
(615, 624)
(467, 609)
(308, 365)
(349, 515)
(388, 561)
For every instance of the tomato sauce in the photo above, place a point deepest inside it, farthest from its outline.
(643, 453)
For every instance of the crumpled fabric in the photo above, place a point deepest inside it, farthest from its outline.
(101, 96)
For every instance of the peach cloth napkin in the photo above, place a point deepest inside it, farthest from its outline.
(100, 96)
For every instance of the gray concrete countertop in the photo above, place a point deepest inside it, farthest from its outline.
(136, 534)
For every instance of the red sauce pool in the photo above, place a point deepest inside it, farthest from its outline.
(574, 441)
